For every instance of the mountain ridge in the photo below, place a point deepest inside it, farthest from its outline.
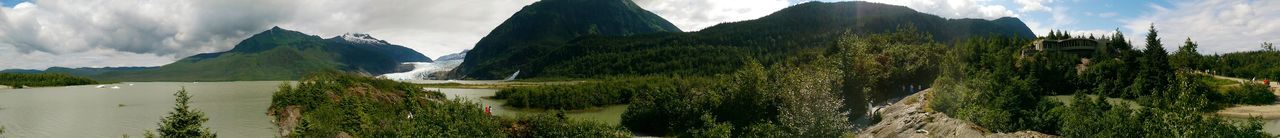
(546, 25)
(278, 54)
(799, 29)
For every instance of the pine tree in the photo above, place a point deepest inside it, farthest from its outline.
(1186, 57)
(1118, 42)
(1154, 73)
(1052, 35)
(184, 122)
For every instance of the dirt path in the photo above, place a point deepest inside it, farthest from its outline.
(1266, 112)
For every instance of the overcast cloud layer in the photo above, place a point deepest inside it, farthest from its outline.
(100, 33)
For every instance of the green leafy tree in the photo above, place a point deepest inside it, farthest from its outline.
(184, 121)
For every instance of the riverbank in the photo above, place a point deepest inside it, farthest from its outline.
(909, 118)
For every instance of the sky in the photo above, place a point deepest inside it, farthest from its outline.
(37, 34)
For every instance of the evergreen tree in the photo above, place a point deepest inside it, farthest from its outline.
(1154, 73)
(1186, 57)
(184, 122)
(1053, 34)
(1118, 42)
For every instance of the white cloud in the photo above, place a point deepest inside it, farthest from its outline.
(694, 15)
(1033, 5)
(1108, 14)
(1220, 26)
(120, 32)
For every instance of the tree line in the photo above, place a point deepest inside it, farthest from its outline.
(986, 81)
(42, 80)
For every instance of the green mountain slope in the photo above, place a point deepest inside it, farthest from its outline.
(277, 54)
(801, 29)
(546, 25)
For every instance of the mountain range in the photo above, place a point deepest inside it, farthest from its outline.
(280, 54)
(578, 52)
(567, 38)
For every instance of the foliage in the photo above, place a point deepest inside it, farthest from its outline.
(184, 121)
(1092, 117)
(559, 126)
(579, 96)
(1248, 64)
(796, 30)
(1187, 57)
(1250, 93)
(42, 80)
(754, 101)
(986, 82)
(879, 67)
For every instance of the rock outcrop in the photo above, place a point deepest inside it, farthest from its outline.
(909, 118)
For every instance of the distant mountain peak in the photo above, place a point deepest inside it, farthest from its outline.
(362, 38)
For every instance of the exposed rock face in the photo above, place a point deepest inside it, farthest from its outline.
(908, 118)
(288, 119)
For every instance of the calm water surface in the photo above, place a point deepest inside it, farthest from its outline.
(234, 109)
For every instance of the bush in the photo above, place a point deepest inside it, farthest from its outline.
(1250, 93)
(559, 126)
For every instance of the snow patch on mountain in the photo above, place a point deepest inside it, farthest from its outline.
(362, 39)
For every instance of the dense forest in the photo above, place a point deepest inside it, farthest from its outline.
(986, 82)
(341, 104)
(42, 80)
(814, 94)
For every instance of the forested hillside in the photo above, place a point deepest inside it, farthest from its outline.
(804, 28)
(546, 25)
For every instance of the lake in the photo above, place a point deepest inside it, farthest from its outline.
(234, 109)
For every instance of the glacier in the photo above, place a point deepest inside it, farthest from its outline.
(429, 70)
